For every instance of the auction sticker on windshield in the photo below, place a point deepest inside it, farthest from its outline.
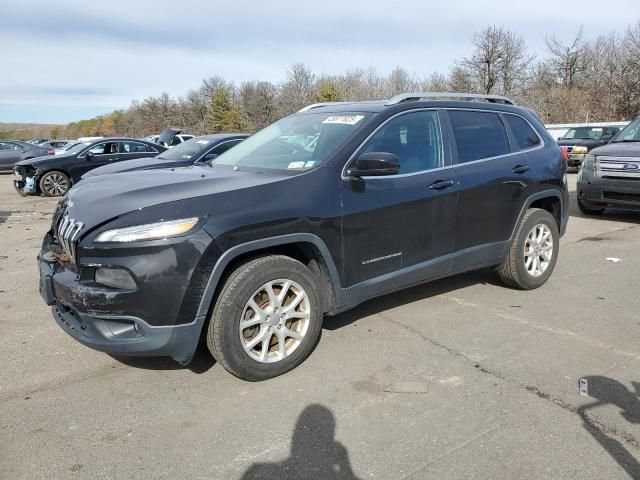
(344, 119)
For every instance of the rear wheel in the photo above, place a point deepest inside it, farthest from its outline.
(267, 318)
(533, 252)
(54, 184)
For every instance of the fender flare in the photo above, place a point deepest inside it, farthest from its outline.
(228, 256)
(537, 196)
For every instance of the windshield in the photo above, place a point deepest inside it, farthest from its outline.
(296, 143)
(584, 133)
(189, 150)
(630, 133)
(77, 147)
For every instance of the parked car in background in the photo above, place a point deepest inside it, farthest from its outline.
(579, 141)
(170, 137)
(38, 141)
(54, 176)
(254, 249)
(67, 146)
(610, 175)
(12, 151)
(196, 151)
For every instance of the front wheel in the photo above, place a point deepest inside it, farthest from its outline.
(54, 184)
(533, 253)
(588, 210)
(267, 318)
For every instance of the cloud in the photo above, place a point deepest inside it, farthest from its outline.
(104, 54)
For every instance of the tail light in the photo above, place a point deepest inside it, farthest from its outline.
(51, 151)
(565, 154)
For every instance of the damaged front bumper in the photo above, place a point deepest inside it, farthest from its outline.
(25, 180)
(102, 317)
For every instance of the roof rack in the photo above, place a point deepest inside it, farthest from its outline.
(323, 104)
(467, 97)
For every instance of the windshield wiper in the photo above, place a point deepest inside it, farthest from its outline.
(627, 140)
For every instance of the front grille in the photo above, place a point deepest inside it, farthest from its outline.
(625, 197)
(65, 229)
(618, 167)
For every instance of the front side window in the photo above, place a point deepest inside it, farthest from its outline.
(274, 147)
(478, 135)
(630, 133)
(524, 135)
(105, 148)
(414, 138)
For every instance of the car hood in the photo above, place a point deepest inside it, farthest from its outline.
(619, 149)
(41, 161)
(98, 199)
(130, 165)
(578, 142)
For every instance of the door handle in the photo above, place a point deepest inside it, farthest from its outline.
(441, 184)
(520, 169)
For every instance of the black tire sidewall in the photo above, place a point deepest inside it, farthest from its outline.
(229, 313)
(586, 208)
(42, 179)
(525, 279)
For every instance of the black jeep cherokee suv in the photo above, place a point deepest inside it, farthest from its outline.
(313, 215)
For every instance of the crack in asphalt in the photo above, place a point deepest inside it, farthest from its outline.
(602, 427)
(603, 236)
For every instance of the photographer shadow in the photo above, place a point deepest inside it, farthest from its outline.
(611, 392)
(315, 453)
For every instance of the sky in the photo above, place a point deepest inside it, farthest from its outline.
(71, 59)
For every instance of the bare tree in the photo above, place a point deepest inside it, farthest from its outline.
(567, 60)
(487, 60)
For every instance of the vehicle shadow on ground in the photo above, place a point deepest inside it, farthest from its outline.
(201, 363)
(607, 391)
(410, 295)
(315, 453)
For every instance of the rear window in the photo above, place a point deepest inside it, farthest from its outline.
(478, 135)
(524, 135)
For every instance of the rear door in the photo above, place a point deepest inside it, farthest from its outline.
(399, 229)
(495, 178)
(130, 149)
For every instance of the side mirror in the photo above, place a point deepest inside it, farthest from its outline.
(88, 156)
(374, 164)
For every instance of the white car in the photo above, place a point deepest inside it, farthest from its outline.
(176, 138)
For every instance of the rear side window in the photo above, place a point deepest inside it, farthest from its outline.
(524, 135)
(133, 147)
(478, 135)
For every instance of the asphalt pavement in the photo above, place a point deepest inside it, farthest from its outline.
(460, 378)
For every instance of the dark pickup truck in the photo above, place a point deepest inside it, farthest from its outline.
(579, 141)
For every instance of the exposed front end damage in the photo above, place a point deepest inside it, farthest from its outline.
(25, 179)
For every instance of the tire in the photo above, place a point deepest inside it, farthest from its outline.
(54, 184)
(518, 271)
(232, 347)
(588, 211)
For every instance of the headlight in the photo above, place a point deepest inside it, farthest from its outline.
(580, 150)
(150, 231)
(589, 162)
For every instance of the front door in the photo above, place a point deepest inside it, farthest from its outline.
(101, 153)
(398, 230)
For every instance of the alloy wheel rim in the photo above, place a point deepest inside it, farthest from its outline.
(275, 321)
(538, 250)
(55, 184)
